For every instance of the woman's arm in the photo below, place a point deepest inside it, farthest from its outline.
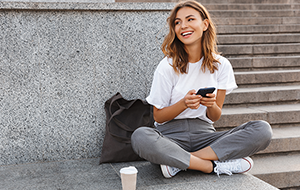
(214, 105)
(190, 100)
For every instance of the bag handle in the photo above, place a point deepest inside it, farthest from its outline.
(120, 110)
(112, 117)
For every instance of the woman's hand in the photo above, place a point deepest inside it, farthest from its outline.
(210, 101)
(192, 100)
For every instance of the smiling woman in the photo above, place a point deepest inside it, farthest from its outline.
(184, 137)
(208, 46)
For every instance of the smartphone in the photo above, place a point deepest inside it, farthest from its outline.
(204, 91)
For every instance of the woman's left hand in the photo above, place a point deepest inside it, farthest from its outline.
(210, 101)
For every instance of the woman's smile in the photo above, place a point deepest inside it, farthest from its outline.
(186, 34)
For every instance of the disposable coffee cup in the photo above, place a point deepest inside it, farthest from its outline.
(128, 177)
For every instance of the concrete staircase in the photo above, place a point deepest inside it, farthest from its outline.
(262, 41)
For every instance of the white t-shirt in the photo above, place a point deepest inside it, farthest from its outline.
(168, 87)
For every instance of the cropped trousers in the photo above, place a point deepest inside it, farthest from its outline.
(171, 143)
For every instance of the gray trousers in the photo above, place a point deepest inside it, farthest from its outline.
(170, 144)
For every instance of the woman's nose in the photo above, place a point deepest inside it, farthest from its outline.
(183, 24)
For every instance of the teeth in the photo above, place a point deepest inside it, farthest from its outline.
(186, 33)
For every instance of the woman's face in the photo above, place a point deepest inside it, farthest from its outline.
(189, 26)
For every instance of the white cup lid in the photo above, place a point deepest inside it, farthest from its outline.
(129, 170)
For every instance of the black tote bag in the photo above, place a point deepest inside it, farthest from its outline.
(123, 117)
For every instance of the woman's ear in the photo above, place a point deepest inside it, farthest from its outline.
(206, 24)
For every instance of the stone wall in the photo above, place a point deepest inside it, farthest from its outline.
(59, 63)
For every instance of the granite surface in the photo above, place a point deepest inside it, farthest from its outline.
(83, 5)
(57, 68)
(87, 174)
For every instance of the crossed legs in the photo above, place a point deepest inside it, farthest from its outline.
(239, 142)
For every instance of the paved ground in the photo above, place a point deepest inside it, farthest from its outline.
(87, 174)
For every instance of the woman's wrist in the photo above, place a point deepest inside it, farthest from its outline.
(184, 103)
(214, 112)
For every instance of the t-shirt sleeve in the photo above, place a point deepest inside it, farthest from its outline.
(226, 79)
(161, 89)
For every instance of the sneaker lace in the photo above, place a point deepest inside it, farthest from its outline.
(174, 170)
(226, 167)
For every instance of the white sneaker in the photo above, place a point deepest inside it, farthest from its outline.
(169, 171)
(228, 167)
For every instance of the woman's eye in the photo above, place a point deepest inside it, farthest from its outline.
(177, 22)
(190, 19)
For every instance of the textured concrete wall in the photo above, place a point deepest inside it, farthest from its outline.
(59, 65)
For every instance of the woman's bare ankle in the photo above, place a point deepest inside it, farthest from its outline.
(199, 164)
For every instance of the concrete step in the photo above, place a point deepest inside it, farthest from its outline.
(256, 20)
(258, 38)
(244, 6)
(282, 171)
(274, 114)
(248, 78)
(260, 95)
(285, 139)
(226, 2)
(254, 13)
(255, 29)
(259, 49)
(258, 63)
(250, 1)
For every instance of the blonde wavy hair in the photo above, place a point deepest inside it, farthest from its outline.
(173, 48)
